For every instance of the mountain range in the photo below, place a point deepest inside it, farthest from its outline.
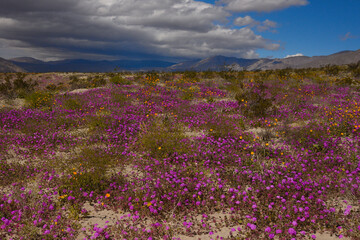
(215, 63)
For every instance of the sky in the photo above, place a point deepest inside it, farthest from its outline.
(176, 30)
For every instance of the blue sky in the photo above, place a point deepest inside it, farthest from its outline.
(319, 28)
(177, 29)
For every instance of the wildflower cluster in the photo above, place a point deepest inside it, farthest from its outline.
(248, 155)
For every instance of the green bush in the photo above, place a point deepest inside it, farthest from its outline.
(332, 70)
(40, 100)
(255, 101)
(189, 93)
(118, 97)
(119, 80)
(162, 139)
(97, 123)
(72, 104)
(87, 172)
(76, 83)
(51, 87)
(97, 81)
(346, 81)
(17, 88)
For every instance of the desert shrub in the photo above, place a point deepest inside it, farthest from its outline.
(88, 172)
(342, 128)
(354, 69)
(51, 87)
(221, 128)
(76, 83)
(266, 135)
(17, 88)
(61, 87)
(139, 76)
(229, 75)
(40, 100)
(331, 70)
(309, 137)
(256, 103)
(208, 74)
(191, 75)
(72, 104)
(97, 123)
(346, 81)
(189, 93)
(96, 81)
(86, 181)
(119, 80)
(118, 97)
(283, 74)
(151, 79)
(210, 99)
(164, 77)
(65, 122)
(162, 138)
(262, 75)
(6, 88)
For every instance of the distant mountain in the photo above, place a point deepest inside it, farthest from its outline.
(8, 66)
(215, 63)
(81, 65)
(231, 63)
(340, 58)
(26, 60)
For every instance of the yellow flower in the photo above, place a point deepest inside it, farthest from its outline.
(63, 196)
(159, 148)
(107, 195)
(74, 173)
(149, 204)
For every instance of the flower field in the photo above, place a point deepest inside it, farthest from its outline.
(228, 155)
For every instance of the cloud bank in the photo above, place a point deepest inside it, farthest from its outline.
(261, 5)
(132, 28)
(295, 55)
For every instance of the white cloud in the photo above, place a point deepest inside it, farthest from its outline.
(248, 21)
(295, 55)
(245, 21)
(266, 25)
(129, 28)
(261, 5)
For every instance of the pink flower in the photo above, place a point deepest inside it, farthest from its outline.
(251, 226)
(292, 231)
(347, 210)
(268, 229)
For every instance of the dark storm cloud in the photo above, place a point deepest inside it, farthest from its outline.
(117, 28)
